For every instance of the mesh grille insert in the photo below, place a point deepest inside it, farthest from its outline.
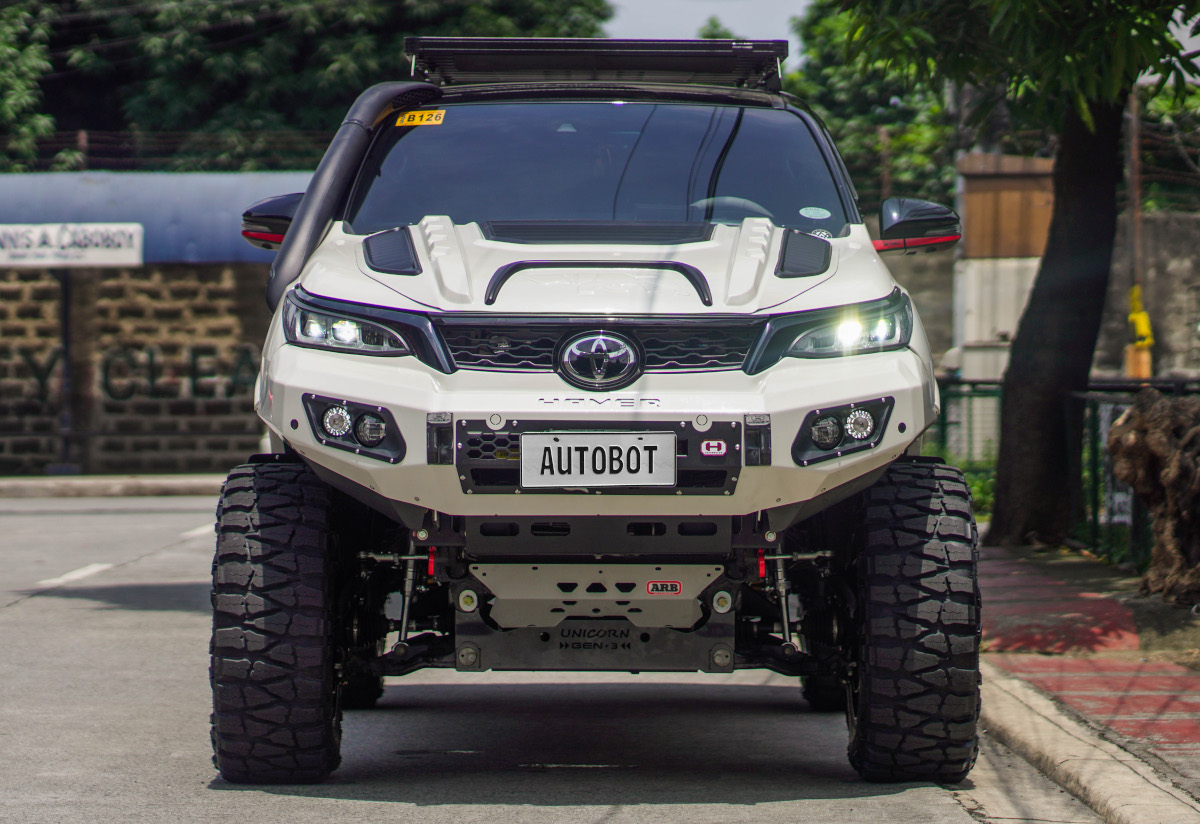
(682, 348)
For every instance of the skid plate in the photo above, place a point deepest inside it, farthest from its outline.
(646, 595)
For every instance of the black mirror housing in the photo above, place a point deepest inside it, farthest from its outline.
(909, 225)
(265, 223)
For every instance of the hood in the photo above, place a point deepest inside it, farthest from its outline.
(734, 268)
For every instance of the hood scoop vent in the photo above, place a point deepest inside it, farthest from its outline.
(803, 256)
(547, 232)
(392, 253)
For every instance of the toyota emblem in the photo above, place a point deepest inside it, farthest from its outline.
(599, 361)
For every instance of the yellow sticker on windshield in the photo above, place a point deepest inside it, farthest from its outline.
(425, 118)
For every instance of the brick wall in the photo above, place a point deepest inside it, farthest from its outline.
(162, 366)
(29, 334)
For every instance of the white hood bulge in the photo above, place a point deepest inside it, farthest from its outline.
(737, 264)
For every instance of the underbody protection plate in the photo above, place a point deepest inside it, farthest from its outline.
(613, 645)
(647, 595)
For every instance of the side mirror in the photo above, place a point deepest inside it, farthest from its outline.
(910, 226)
(265, 223)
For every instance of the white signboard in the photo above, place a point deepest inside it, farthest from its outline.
(52, 245)
(1118, 496)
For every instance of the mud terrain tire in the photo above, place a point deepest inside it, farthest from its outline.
(914, 703)
(276, 716)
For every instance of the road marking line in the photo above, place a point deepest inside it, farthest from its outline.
(74, 575)
(580, 766)
(205, 529)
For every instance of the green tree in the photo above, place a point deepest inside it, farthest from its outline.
(244, 78)
(714, 29)
(24, 58)
(1069, 64)
(876, 111)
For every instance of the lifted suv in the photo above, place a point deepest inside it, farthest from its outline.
(583, 359)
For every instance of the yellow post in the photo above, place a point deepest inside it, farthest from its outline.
(1138, 363)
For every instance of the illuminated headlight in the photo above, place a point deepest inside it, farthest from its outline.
(867, 327)
(343, 334)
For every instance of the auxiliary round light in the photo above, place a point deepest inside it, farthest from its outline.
(860, 424)
(336, 421)
(826, 432)
(370, 430)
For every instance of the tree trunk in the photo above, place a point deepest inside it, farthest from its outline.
(1156, 449)
(1037, 475)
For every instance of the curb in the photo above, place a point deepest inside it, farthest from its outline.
(1118, 786)
(110, 486)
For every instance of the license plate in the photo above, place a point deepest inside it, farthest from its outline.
(591, 459)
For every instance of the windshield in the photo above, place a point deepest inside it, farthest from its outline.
(609, 161)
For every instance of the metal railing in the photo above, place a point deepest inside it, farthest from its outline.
(968, 430)
(1108, 517)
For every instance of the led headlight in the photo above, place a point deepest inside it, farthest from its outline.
(868, 327)
(323, 330)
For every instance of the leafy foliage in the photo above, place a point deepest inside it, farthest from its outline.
(1170, 148)
(24, 32)
(714, 29)
(866, 102)
(1042, 58)
(237, 74)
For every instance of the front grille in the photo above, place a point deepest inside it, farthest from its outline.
(495, 446)
(696, 350)
(679, 348)
(515, 348)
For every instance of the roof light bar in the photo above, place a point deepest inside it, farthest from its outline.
(458, 60)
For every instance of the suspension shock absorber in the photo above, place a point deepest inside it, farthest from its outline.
(409, 574)
(790, 647)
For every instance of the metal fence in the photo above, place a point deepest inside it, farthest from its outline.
(1108, 517)
(1115, 523)
(968, 431)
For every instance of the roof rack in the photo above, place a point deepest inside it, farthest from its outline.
(456, 60)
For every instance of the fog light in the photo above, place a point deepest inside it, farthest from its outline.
(860, 424)
(336, 421)
(722, 602)
(467, 600)
(370, 430)
(826, 432)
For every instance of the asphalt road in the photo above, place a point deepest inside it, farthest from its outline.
(104, 707)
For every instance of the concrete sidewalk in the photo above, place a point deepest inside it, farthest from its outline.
(1090, 683)
(109, 486)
